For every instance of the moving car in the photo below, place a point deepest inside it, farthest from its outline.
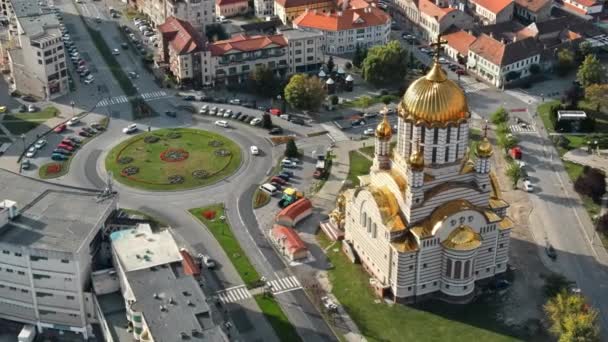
(222, 123)
(132, 128)
(31, 152)
(254, 150)
(40, 144)
(73, 121)
(370, 115)
(90, 79)
(369, 131)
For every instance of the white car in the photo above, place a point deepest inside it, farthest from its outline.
(149, 34)
(132, 128)
(255, 121)
(90, 79)
(443, 60)
(206, 260)
(254, 150)
(31, 152)
(228, 113)
(116, 52)
(31, 108)
(204, 109)
(235, 101)
(73, 121)
(528, 186)
(143, 28)
(221, 123)
(40, 144)
(369, 131)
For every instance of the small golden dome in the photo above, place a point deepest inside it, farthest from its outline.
(463, 238)
(384, 130)
(434, 98)
(484, 149)
(417, 159)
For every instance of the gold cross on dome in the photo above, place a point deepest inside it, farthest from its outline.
(485, 130)
(437, 45)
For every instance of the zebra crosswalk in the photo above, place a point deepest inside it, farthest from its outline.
(284, 284)
(234, 294)
(520, 129)
(473, 87)
(123, 99)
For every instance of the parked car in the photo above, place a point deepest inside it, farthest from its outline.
(189, 98)
(235, 101)
(244, 117)
(370, 115)
(98, 127)
(171, 113)
(67, 141)
(75, 140)
(28, 98)
(551, 253)
(369, 131)
(279, 180)
(204, 109)
(222, 123)
(528, 185)
(287, 172)
(62, 151)
(283, 176)
(132, 128)
(275, 131)
(58, 157)
(298, 121)
(288, 164)
(237, 115)
(84, 134)
(255, 121)
(22, 109)
(31, 108)
(286, 175)
(206, 260)
(31, 152)
(89, 130)
(26, 164)
(60, 128)
(40, 144)
(66, 147)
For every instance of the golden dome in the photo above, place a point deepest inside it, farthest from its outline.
(463, 238)
(434, 99)
(484, 149)
(417, 159)
(384, 130)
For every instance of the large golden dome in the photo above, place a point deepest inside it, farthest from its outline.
(434, 99)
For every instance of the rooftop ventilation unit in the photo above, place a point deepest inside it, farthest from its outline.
(156, 296)
(163, 308)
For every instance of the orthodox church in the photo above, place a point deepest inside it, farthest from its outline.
(428, 220)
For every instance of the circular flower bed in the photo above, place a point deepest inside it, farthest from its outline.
(215, 143)
(124, 160)
(172, 155)
(151, 139)
(129, 171)
(176, 179)
(53, 169)
(222, 152)
(174, 135)
(200, 174)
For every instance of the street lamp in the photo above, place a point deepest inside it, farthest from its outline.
(72, 103)
(22, 136)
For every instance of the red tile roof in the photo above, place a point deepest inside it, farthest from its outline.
(229, 2)
(298, 3)
(181, 35)
(294, 211)
(354, 4)
(245, 43)
(460, 41)
(499, 53)
(293, 243)
(533, 5)
(190, 266)
(429, 8)
(494, 6)
(344, 20)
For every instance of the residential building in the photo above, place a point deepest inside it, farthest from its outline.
(36, 57)
(493, 11)
(582, 7)
(198, 13)
(434, 20)
(181, 49)
(163, 298)
(305, 50)
(457, 47)
(533, 10)
(428, 220)
(344, 30)
(500, 61)
(48, 239)
(289, 10)
(231, 8)
(263, 8)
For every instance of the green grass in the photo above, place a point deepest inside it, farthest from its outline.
(430, 321)
(363, 103)
(223, 234)
(544, 112)
(277, 319)
(359, 165)
(154, 173)
(25, 122)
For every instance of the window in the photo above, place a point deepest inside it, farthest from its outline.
(447, 153)
(37, 258)
(70, 297)
(448, 268)
(18, 254)
(457, 269)
(447, 286)
(449, 133)
(409, 288)
(6, 252)
(298, 60)
(41, 276)
(434, 283)
(434, 155)
(43, 294)
(424, 286)
(9, 270)
(411, 267)
(466, 287)
(65, 261)
(435, 135)
(48, 61)
(298, 52)
(310, 58)
(490, 249)
(24, 291)
(20, 273)
(467, 267)
(423, 265)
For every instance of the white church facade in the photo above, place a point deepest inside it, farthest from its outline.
(428, 220)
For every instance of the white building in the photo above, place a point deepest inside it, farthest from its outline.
(493, 11)
(263, 8)
(428, 219)
(305, 50)
(35, 51)
(47, 251)
(428, 19)
(344, 30)
(199, 13)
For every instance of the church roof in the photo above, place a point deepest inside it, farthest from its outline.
(389, 208)
(405, 243)
(463, 238)
(506, 223)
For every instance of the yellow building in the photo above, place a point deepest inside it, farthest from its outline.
(288, 10)
(428, 220)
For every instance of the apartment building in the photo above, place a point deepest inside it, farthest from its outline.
(493, 11)
(533, 10)
(263, 8)
(343, 30)
(289, 10)
(231, 8)
(198, 13)
(181, 50)
(48, 238)
(35, 53)
(434, 19)
(305, 50)
(158, 282)
(500, 61)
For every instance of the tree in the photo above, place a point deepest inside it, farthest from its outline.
(358, 57)
(365, 101)
(386, 99)
(512, 75)
(330, 65)
(334, 99)
(291, 150)
(263, 81)
(215, 32)
(535, 69)
(305, 92)
(348, 65)
(555, 283)
(585, 48)
(571, 319)
(499, 116)
(581, 326)
(266, 121)
(385, 64)
(565, 61)
(591, 183)
(602, 224)
(591, 71)
(514, 173)
(597, 94)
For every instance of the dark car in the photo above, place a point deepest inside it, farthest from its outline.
(29, 98)
(275, 130)
(243, 118)
(220, 100)
(551, 253)
(62, 151)
(287, 172)
(189, 98)
(124, 46)
(278, 179)
(75, 140)
(277, 185)
(237, 115)
(25, 165)
(58, 157)
(298, 121)
(89, 130)
(22, 109)
(284, 176)
(98, 127)
(171, 113)
(85, 134)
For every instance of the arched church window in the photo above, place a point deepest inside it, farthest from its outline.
(448, 268)
(369, 224)
(375, 231)
(434, 155)
(435, 135)
(467, 268)
(457, 269)
(363, 218)
(448, 135)
(457, 133)
(447, 154)
(457, 149)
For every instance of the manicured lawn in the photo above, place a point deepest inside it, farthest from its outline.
(360, 102)
(277, 319)
(25, 122)
(368, 150)
(223, 234)
(359, 165)
(154, 173)
(544, 112)
(432, 321)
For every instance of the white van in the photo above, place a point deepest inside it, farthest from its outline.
(268, 188)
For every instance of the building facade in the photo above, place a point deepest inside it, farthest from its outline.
(305, 50)
(231, 8)
(36, 57)
(199, 13)
(428, 220)
(289, 10)
(533, 10)
(434, 19)
(493, 11)
(343, 30)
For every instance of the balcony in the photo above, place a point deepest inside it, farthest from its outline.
(243, 59)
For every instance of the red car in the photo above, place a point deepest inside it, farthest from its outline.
(66, 147)
(461, 72)
(275, 111)
(60, 128)
(67, 141)
(278, 180)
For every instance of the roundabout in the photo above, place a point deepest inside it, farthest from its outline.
(173, 159)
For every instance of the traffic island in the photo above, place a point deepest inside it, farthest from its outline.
(173, 159)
